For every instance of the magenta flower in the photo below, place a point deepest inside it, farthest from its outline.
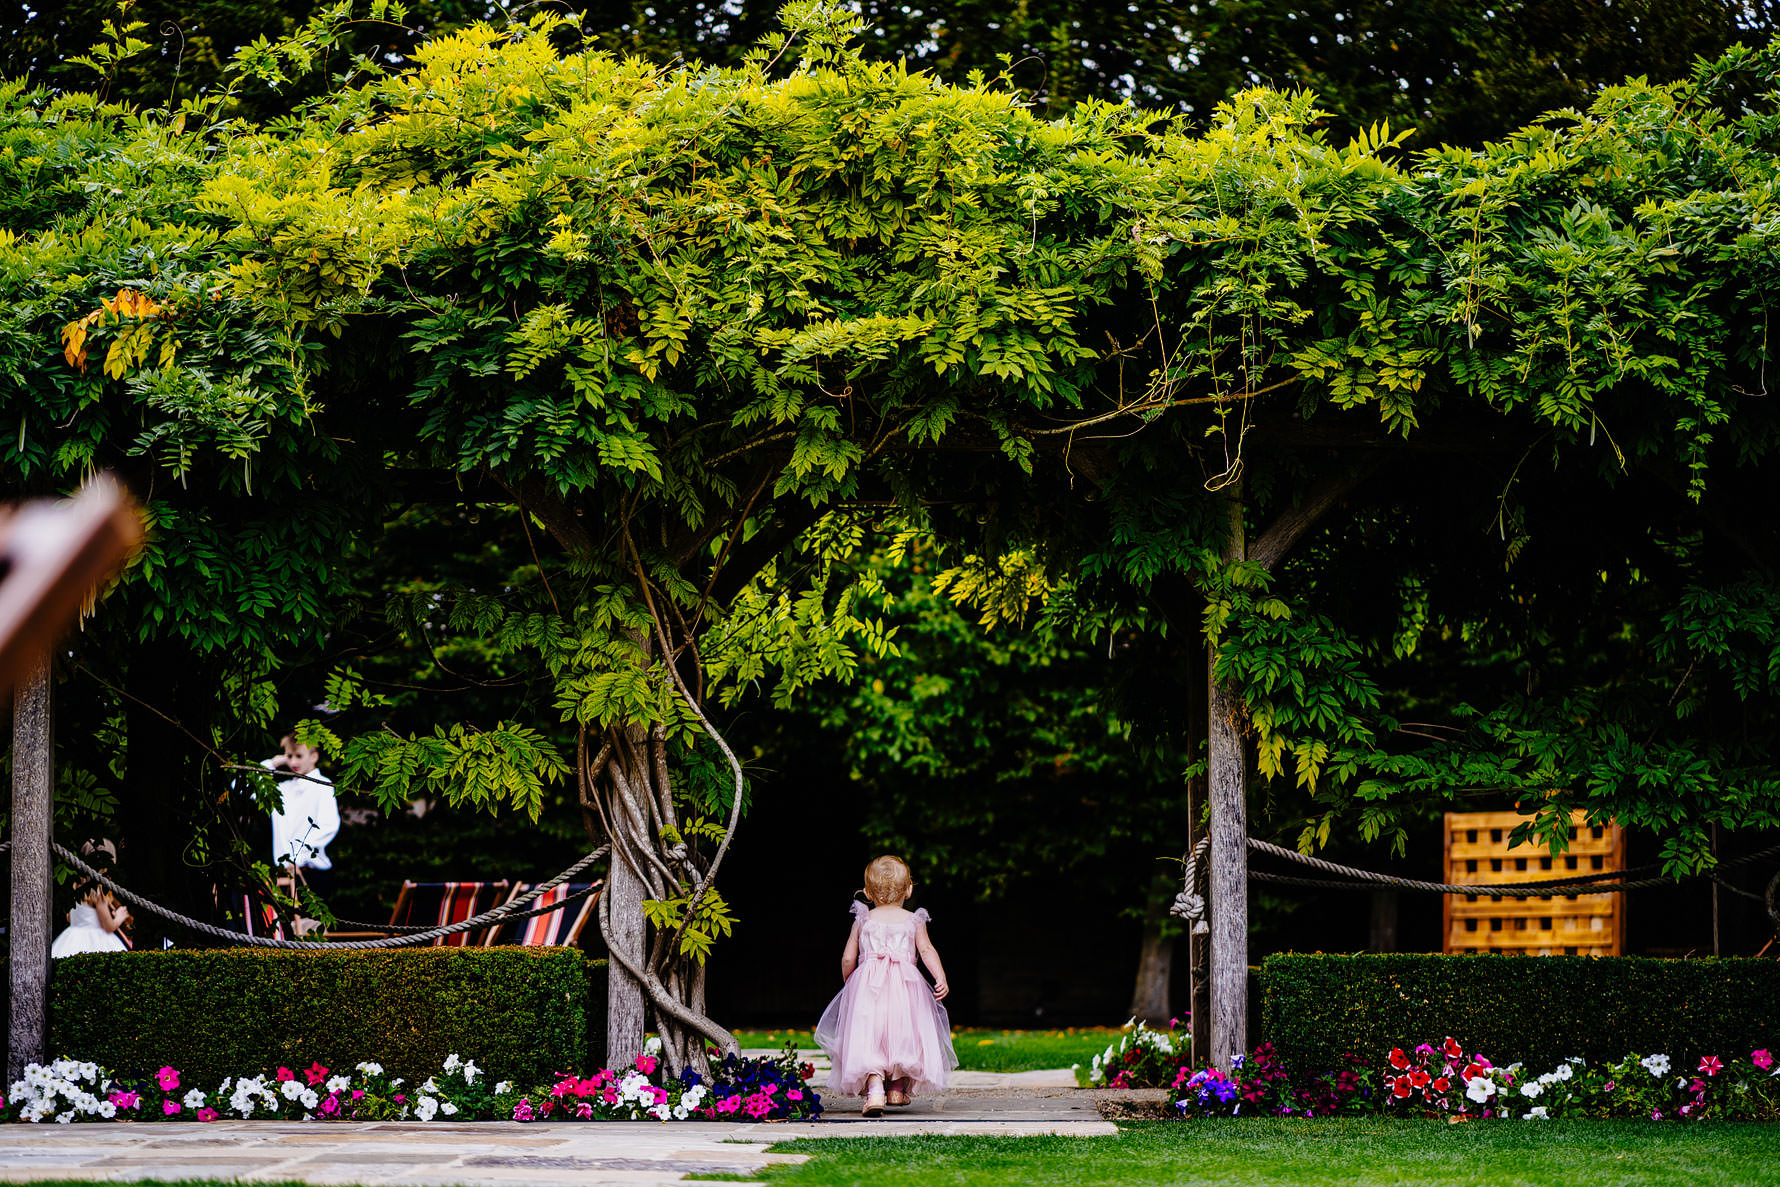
(1609, 1086)
(315, 1074)
(646, 1064)
(523, 1110)
(1761, 1059)
(284, 1074)
(1656, 1114)
(331, 1106)
(794, 1094)
(400, 1099)
(124, 1099)
(1710, 1065)
(167, 1078)
(207, 1114)
(169, 1108)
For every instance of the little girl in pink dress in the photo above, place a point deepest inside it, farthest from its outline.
(886, 1029)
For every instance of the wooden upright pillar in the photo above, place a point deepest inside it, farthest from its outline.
(1227, 794)
(32, 812)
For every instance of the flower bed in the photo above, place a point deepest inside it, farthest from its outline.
(68, 1090)
(1447, 1080)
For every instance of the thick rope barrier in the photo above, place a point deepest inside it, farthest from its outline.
(1604, 883)
(506, 911)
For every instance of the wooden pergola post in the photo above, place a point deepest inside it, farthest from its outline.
(33, 809)
(1226, 781)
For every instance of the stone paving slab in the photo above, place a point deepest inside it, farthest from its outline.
(500, 1154)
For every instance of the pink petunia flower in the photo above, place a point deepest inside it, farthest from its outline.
(167, 1078)
(523, 1110)
(646, 1064)
(124, 1099)
(315, 1074)
(794, 1094)
(1710, 1065)
(207, 1114)
(284, 1074)
(1761, 1059)
(169, 1108)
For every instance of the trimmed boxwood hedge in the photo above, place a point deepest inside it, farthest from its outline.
(1535, 1009)
(521, 1013)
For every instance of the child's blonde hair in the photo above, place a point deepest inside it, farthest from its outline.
(887, 880)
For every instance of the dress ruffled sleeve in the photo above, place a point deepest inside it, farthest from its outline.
(860, 911)
(921, 915)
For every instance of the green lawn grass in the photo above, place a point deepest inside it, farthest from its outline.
(987, 1050)
(1284, 1150)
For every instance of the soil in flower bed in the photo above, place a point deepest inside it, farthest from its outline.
(1135, 1104)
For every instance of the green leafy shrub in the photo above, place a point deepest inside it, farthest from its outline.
(524, 1013)
(1539, 1010)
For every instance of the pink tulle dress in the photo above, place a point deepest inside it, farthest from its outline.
(885, 1021)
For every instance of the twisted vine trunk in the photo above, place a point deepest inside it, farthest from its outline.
(625, 784)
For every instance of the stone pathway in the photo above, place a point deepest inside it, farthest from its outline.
(498, 1154)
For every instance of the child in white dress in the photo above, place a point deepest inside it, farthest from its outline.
(886, 1034)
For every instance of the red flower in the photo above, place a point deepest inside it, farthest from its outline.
(1400, 1087)
(1398, 1059)
(1452, 1048)
(1442, 1084)
(1711, 1066)
(284, 1074)
(1419, 1078)
(1472, 1071)
(315, 1074)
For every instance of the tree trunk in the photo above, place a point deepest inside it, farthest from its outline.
(33, 812)
(1227, 790)
(625, 927)
(1155, 961)
(1384, 922)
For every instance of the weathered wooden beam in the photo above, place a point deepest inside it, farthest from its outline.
(1227, 795)
(33, 809)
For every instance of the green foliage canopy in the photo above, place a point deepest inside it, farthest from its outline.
(708, 322)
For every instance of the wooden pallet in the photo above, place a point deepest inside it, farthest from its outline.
(1550, 925)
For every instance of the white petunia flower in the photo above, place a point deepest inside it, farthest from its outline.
(290, 1089)
(452, 1062)
(1539, 1113)
(1656, 1065)
(425, 1108)
(504, 1087)
(338, 1083)
(1531, 1088)
(652, 1045)
(1564, 1071)
(371, 1069)
(309, 1099)
(449, 1109)
(1480, 1089)
(471, 1071)
(193, 1099)
(429, 1086)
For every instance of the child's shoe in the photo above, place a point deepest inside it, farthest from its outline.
(899, 1092)
(874, 1098)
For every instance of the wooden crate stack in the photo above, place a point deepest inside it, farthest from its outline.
(1549, 925)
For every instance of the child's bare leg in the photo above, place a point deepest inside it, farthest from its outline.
(874, 1096)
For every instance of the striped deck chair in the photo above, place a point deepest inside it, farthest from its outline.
(259, 919)
(435, 904)
(557, 928)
